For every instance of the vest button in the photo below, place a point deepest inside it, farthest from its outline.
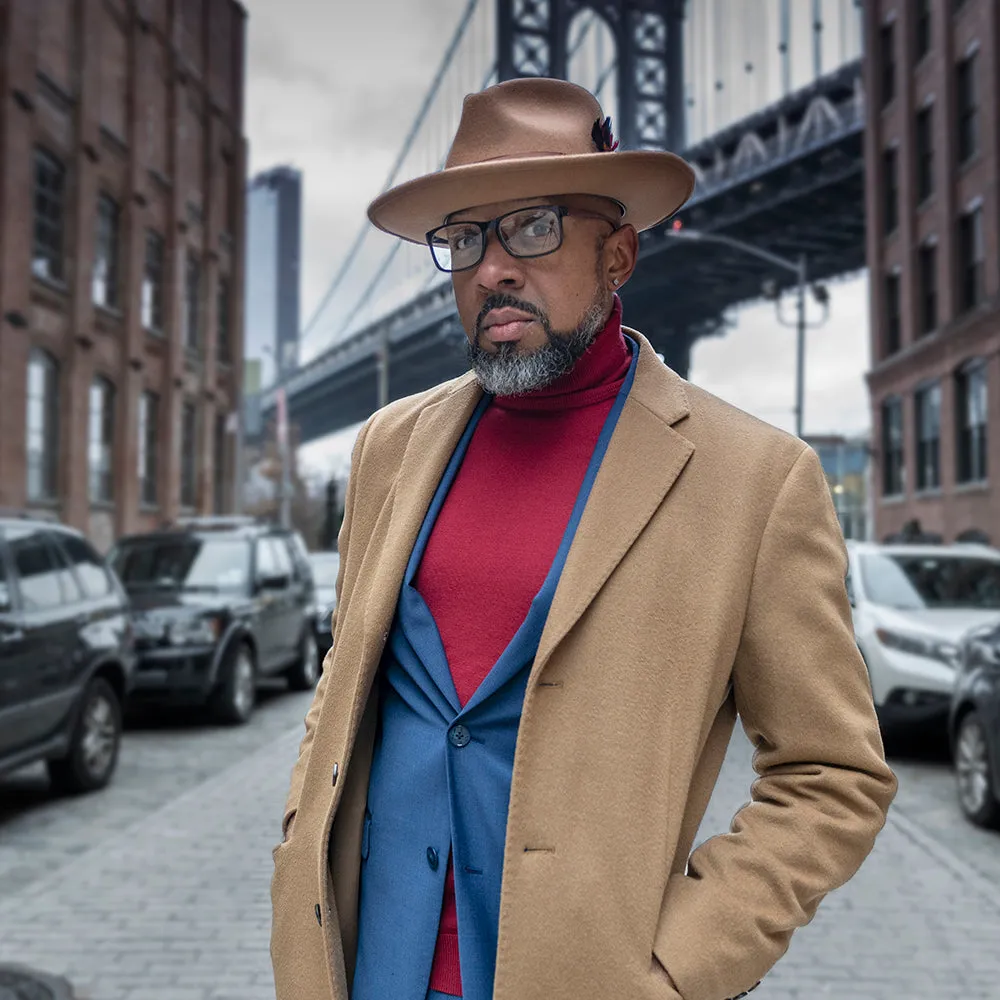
(459, 736)
(432, 859)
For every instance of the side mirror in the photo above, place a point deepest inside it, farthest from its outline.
(5, 602)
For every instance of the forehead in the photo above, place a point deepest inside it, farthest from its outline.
(483, 213)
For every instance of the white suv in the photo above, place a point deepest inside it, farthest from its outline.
(911, 606)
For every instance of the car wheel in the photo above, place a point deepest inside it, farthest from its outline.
(974, 774)
(236, 695)
(304, 673)
(93, 752)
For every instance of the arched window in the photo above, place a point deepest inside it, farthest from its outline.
(42, 425)
(100, 440)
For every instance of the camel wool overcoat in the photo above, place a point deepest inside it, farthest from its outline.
(705, 581)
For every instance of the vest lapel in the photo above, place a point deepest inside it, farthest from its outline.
(642, 463)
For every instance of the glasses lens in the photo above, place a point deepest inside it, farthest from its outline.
(532, 232)
(457, 246)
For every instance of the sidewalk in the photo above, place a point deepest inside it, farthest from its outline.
(177, 907)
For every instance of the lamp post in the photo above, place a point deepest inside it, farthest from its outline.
(796, 267)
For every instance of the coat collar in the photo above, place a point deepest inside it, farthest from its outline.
(644, 458)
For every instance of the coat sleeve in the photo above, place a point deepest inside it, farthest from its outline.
(343, 541)
(823, 788)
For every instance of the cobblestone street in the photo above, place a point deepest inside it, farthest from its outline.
(158, 889)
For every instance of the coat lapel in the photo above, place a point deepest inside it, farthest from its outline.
(432, 442)
(642, 463)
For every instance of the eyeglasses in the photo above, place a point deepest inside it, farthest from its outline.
(524, 233)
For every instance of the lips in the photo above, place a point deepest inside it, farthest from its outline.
(506, 324)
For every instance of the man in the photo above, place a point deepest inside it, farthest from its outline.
(562, 576)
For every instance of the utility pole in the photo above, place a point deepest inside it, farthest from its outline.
(800, 347)
(800, 270)
(285, 483)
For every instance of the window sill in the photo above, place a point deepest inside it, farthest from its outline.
(110, 315)
(929, 493)
(50, 285)
(976, 486)
(893, 500)
(42, 503)
(104, 506)
(966, 166)
(152, 331)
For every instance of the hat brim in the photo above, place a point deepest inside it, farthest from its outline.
(652, 185)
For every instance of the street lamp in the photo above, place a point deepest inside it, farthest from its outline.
(770, 290)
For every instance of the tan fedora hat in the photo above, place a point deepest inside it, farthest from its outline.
(530, 138)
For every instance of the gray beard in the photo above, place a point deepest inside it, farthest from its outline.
(504, 372)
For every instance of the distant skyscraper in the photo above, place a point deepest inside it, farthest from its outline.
(274, 247)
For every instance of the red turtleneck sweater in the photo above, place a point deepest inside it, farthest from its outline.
(498, 532)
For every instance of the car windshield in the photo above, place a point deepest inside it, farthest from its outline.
(325, 569)
(183, 563)
(920, 582)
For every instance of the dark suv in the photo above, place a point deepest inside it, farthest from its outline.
(217, 605)
(66, 655)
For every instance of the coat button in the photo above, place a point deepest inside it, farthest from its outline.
(432, 859)
(336, 771)
(459, 736)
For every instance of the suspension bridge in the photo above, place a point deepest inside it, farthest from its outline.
(763, 97)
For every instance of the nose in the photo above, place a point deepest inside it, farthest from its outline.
(498, 269)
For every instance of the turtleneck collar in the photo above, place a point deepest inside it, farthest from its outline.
(597, 376)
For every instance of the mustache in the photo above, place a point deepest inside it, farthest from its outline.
(502, 300)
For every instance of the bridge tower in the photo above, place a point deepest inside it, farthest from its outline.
(533, 38)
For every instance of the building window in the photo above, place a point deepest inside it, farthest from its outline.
(970, 401)
(223, 336)
(189, 457)
(890, 189)
(149, 418)
(101, 435)
(42, 426)
(50, 194)
(893, 327)
(968, 111)
(922, 29)
(971, 252)
(892, 447)
(928, 289)
(104, 283)
(192, 303)
(925, 153)
(219, 464)
(887, 47)
(152, 283)
(927, 403)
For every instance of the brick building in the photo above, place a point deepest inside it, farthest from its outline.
(122, 166)
(932, 74)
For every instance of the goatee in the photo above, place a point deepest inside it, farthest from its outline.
(504, 372)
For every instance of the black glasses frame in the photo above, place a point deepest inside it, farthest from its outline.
(561, 211)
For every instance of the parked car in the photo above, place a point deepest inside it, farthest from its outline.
(66, 655)
(218, 605)
(325, 567)
(912, 604)
(975, 726)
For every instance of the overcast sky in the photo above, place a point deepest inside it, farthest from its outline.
(332, 88)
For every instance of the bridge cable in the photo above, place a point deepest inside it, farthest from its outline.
(397, 166)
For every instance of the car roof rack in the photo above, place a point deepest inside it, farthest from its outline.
(20, 514)
(219, 522)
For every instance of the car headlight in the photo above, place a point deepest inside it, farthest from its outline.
(915, 645)
(193, 631)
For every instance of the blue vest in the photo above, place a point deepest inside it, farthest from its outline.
(441, 775)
